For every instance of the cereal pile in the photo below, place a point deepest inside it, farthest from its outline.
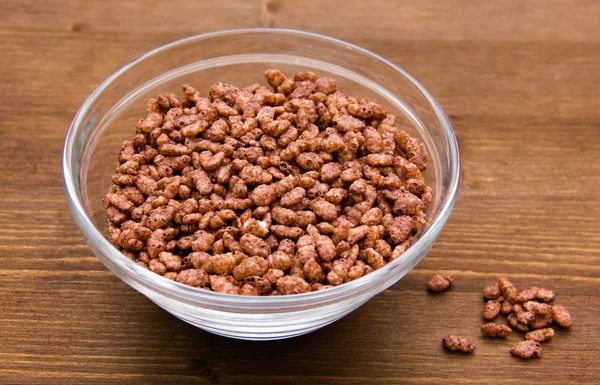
(267, 191)
(526, 311)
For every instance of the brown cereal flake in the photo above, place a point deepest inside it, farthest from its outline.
(492, 310)
(527, 349)
(440, 282)
(561, 316)
(540, 335)
(455, 343)
(496, 330)
(267, 191)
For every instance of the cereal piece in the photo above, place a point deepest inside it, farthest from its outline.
(330, 172)
(256, 228)
(156, 243)
(509, 291)
(292, 285)
(223, 285)
(516, 325)
(222, 264)
(372, 217)
(439, 282)
(193, 277)
(537, 308)
(406, 203)
(325, 210)
(249, 267)
(200, 260)
(455, 343)
(275, 78)
(525, 317)
(374, 259)
(517, 308)
(171, 261)
(492, 291)
(400, 249)
(541, 321)
(417, 154)
(496, 330)
(492, 309)
(303, 89)
(540, 335)
(248, 289)
(293, 197)
(255, 175)
(400, 229)
(544, 295)
(157, 267)
(346, 123)
(204, 241)
(506, 308)
(119, 201)
(309, 161)
(379, 160)
(318, 190)
(325, 228)
(313, 271)
(262, 285)
(279, 260)
(326, 85)
(254, 246)
(306, 246)
(527, 349)
(383, 248)
(356, 234)
(272, 275)
(284, 216)
(287, 246)
(115, 216)
(325, 248)
(282, 231)
(561, 316)
(535, 293)
(527, 294)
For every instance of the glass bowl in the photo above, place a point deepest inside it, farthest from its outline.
(240, 57)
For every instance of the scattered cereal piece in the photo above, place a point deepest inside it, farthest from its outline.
(561, 316)
(540, 335)
(515, 324)
(509, 291)
(527, 349)
(496, 330)
(440, 282)
(455, 343)
(492, 309)
(492, 291)
(506, 308)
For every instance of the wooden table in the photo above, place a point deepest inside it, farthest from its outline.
(519, 79)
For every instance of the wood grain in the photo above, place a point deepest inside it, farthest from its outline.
(519, 80)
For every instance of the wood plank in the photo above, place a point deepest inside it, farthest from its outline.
(506, 20)
(518, 80)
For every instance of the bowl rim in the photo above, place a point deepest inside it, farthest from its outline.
(196, 295)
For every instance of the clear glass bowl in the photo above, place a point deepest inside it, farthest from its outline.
(109, 116)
